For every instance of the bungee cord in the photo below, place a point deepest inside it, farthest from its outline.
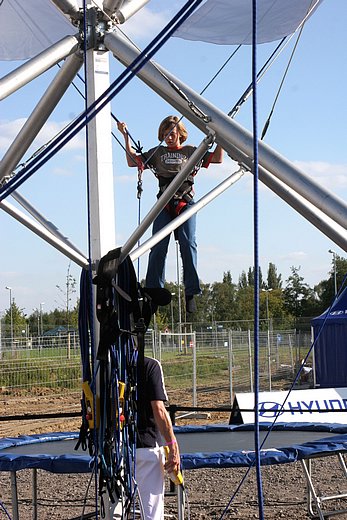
(274, 55)
(256, 257)
(267, 123)
(272, 58)
(2, 505)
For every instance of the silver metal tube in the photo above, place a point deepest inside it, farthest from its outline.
(39, 230)
(315, 216)
(128, 9)
(14, 496)
(34, 490)
(185, 215)
(109, 6)
(166, 196)
(69, 7)
(40, 114)
(237, 141)
(42, 220)
(31, 69)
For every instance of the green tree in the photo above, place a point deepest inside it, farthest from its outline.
(66, 293)
(299, 297)
(251, 277)
(273, 279)
(272, 307)
(244, 306)
(325, 290)
(19, 323)
(223, 298)
(243, 282)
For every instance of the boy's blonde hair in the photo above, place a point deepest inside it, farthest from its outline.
(168, 123)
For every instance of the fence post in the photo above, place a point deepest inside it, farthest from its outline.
(230, 359)
(194, 371)
(269, 357)
(153, 344)
(0, 337)
(68, 346)
(291, 351)
(250, 360)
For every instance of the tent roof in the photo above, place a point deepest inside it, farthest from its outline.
(30, 26)
(337, 313)
(229, 22)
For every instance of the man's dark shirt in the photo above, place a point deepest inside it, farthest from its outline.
(150, 387)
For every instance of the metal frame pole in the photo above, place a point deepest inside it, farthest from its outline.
(185, 215)
(14, 496)
(46, 235)
(42, 220)
(33, 68)
(238, 143)
(101, 192)
(40, 114)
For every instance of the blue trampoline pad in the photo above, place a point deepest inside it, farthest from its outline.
(200, 446)
(54, 452)
(233, 446)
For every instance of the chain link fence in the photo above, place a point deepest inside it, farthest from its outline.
(194, 363)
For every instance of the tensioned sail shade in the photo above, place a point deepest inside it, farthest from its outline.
(28, 27)
(229, 22)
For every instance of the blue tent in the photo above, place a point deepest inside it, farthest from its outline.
(331, 347)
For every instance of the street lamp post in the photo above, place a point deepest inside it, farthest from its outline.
(37, 316)
(267, 304)
(268, 336)
(11, 314)
(172, 320)
(41, 322)
(179, 288)
(179, 300)
(335, 277)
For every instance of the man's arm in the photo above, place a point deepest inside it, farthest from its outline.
(132, 158)
(163, 422)
(217, 155)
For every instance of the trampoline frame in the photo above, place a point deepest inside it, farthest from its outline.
(332, 442)
(316, 499)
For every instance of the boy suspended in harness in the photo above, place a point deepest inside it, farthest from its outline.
(166, 162)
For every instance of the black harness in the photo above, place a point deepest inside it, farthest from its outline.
(124, 310)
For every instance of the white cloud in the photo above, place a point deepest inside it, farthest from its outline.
(145, 24)
(331, 176)
(10, 129)
(125, 179)
(294, 255)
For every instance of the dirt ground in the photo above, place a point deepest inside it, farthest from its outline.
(209, 492)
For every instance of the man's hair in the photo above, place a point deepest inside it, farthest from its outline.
(170, 122)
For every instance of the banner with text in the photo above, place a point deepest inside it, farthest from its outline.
(321, 405)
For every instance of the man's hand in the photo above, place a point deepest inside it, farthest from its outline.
(122, 127)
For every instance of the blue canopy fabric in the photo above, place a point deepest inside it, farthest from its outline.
(330, 352)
